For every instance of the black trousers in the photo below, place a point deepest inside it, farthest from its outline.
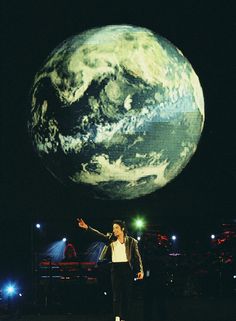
(122, 280)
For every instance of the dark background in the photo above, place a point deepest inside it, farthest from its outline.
(201, 198)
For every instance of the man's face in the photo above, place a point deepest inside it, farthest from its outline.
(117, 230)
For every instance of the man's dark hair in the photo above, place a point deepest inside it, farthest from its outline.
(121, 224)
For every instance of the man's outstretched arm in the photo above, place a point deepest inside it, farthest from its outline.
(88, 228)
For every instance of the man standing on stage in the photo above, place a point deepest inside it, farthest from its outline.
(126, 260)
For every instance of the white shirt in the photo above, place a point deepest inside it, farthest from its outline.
(118, 252)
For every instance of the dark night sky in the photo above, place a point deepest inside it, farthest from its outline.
(203, 31)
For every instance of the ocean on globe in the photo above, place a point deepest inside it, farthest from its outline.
(117, 111)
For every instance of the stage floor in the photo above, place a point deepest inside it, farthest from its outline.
(178, 309)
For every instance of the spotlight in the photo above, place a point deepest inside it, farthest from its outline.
(10, 290)
(55, 251)
(173, 237)
(38, 226)
(105, 293)
(139, 238)
(139, 223)
(213, 236)
(234, 276)
(20, 294)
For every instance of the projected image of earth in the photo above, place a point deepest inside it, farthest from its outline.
(117, 110)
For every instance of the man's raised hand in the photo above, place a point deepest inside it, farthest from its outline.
(81, 223)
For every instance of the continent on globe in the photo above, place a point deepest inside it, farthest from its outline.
(117, 110)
